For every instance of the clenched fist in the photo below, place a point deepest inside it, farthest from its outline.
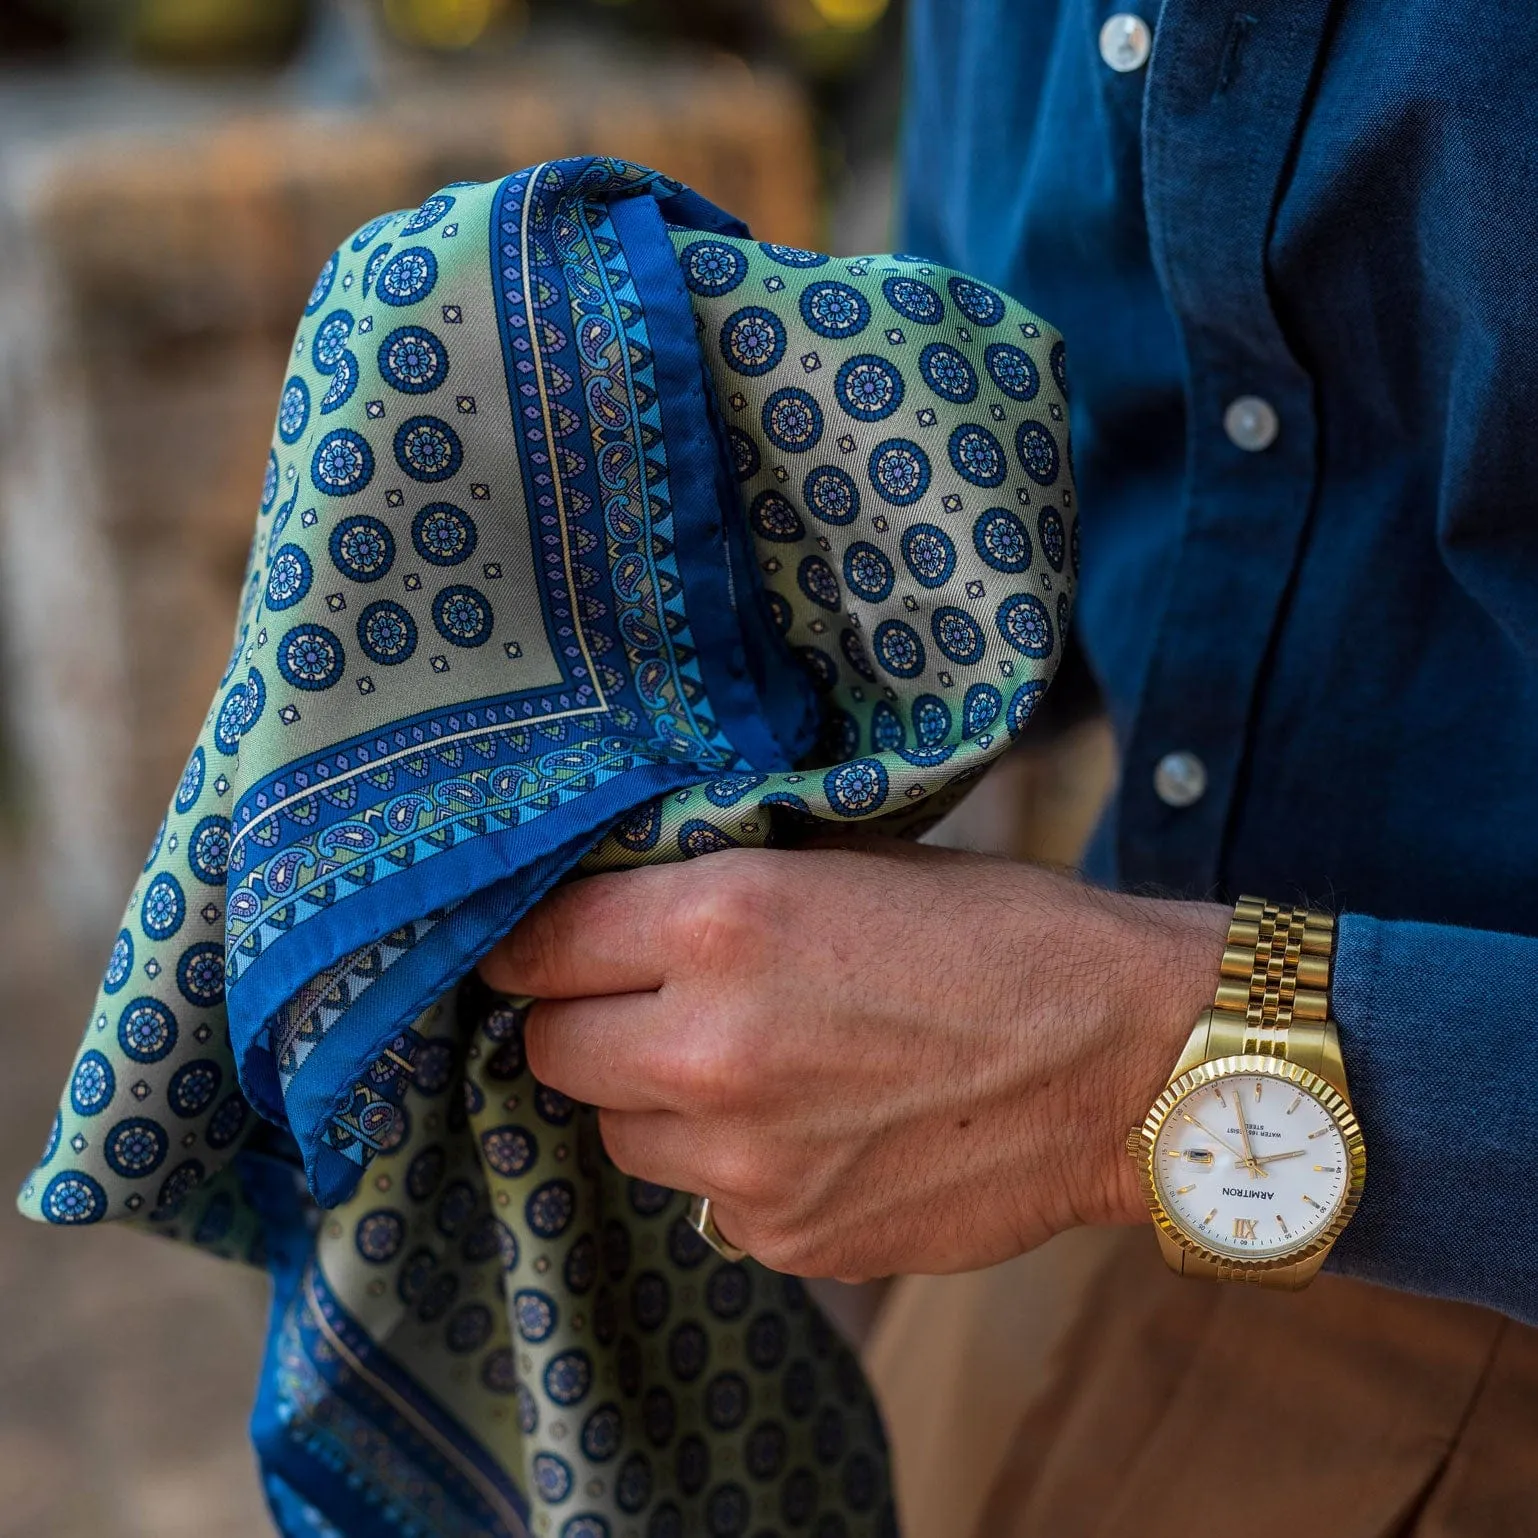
(874, 1058)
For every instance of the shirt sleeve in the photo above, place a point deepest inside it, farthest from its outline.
(1439, 1029)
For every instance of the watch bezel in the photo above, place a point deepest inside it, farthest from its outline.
(1335, 1104)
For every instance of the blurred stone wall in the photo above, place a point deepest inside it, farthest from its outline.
(149, 286)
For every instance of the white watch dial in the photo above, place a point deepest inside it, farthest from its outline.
(1250, 1166)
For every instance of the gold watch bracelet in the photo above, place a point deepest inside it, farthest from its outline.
(1273, 995)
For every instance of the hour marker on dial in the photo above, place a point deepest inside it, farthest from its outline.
(1297, 1101)
(1257, 1089)
(1210, 1216)
(1328, 1169)
(1244, 1228)
(1181, 1190)
(1283, 1221)
(1320, 1133)
(1312, 1202)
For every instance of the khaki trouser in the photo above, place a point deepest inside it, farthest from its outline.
(1084, 1390)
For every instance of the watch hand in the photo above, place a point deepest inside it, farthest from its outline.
(1296, 1153)
(1215, 1138)
(1244, 1135)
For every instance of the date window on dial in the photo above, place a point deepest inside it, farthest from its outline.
(1201, 1156)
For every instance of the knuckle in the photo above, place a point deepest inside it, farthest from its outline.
(709, 1064)
(531, 954)
(536, 1042)
(783, 1249)
(552, 1031)
(727, 918)
(738, 1171)
(613, 1130)
(539, 951)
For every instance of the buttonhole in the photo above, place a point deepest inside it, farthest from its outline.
(1239, 30)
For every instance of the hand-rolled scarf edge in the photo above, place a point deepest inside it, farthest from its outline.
(465, 899)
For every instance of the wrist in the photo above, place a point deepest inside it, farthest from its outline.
(1165, 970)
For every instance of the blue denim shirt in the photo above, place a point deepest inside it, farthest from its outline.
(1333, 208)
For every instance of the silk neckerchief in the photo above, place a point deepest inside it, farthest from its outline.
(592, 531)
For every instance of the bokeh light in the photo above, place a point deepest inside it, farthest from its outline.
(851, 15)
(450, 25)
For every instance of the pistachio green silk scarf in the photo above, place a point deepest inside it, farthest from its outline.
(594, 534)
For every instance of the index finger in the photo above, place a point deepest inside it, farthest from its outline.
(599, 935)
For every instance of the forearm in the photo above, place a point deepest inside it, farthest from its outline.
(1439, 1027)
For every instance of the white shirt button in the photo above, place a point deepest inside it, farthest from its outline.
(1251, 423)
(1180, 779)
(1125, 42)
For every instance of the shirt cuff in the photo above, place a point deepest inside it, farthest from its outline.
(1437, 1028)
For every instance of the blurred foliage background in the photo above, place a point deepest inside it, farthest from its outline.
(824, 43)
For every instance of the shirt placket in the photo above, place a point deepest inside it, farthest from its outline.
(1226, 95)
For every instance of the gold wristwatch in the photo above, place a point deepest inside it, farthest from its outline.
(1251, 1159)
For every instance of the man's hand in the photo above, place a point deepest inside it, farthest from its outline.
(874, 1059)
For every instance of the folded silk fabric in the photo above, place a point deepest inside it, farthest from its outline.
(593, 534)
